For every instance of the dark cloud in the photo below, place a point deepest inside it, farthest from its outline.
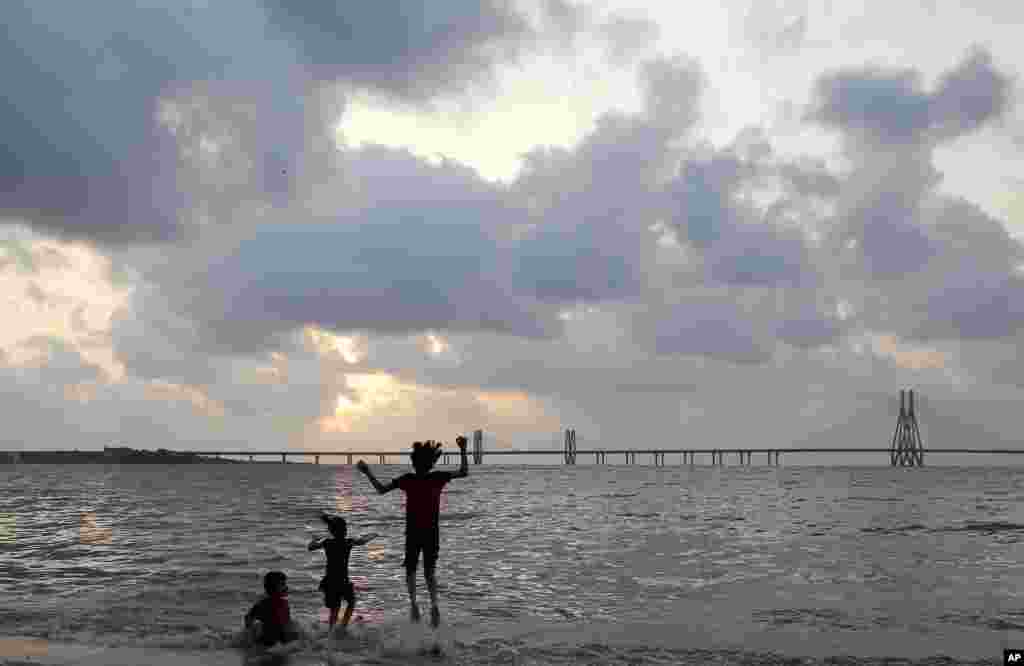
(970, 95)
(703, 197)
(83, 154)
(739, 244)
(891, 106)
(891, 126)
(88, 152)
(971, 302)
(888, 106)
(713, 327)
(418, 248)
(593, 205)
(410, 49)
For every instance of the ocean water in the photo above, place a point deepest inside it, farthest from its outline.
(539, 565)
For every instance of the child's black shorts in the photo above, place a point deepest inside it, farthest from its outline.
(337, 590)
(427, 541)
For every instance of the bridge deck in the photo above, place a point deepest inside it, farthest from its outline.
(519, 452)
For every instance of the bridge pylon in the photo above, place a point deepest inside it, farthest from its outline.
(907, 450)
(478, 447)
(570, 446)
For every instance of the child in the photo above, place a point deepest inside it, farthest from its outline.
(269, 620)
(422, 510)
(336, 584)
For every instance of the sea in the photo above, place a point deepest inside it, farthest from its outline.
(610, 564)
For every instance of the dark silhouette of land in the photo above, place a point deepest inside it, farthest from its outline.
(119, 455)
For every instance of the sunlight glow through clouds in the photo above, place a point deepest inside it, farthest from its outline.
(907, 356)
(63, 291)
(374, 398)
(349, 348)
(371, 394)
(544, 102)
(433, 344)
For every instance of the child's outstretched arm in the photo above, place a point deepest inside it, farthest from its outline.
(316, 544)
(380, 487)
(366, 539)
(463, 459)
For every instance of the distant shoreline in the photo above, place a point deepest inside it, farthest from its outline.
(118, 455)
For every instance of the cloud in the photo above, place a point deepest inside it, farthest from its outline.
(88, 153)
(891, 126)
(84, 156)
(891, 107)
(411, 50)
(714, 327)
(627, 36)
(57, 297)
(777, 27)
(446, 274)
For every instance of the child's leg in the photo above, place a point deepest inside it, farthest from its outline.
(410, 583)
(412, 556)
(348, 613)
(435, 613)
(333, 619)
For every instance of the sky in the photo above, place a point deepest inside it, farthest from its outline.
(260, 225)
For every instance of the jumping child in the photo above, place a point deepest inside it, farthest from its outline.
(336, 584)
(269, 620)
(422, 511)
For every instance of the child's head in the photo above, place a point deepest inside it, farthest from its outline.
(336, 525)
(275, 582)
(424, 455)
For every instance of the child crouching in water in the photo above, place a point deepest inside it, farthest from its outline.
(336, 584)
(269, 621)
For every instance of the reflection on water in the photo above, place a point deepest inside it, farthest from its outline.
(150, 550)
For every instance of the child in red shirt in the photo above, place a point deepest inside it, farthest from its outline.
(422, 512)
(269, 621)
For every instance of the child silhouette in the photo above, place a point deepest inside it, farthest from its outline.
(336, 584)
(422, 512)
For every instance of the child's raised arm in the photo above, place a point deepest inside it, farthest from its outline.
(380, 487)
(316, 544)
(366, 539)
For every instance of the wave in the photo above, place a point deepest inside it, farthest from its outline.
(408, 648)
(989, 528)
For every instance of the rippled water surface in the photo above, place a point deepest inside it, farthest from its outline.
(729, 556)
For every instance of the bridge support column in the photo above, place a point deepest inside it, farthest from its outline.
(569, 452)
(907, 450)
(350, 459)
(317, 460)
(382, 459)
(250, 458)
(478, 447)
(283, 456)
